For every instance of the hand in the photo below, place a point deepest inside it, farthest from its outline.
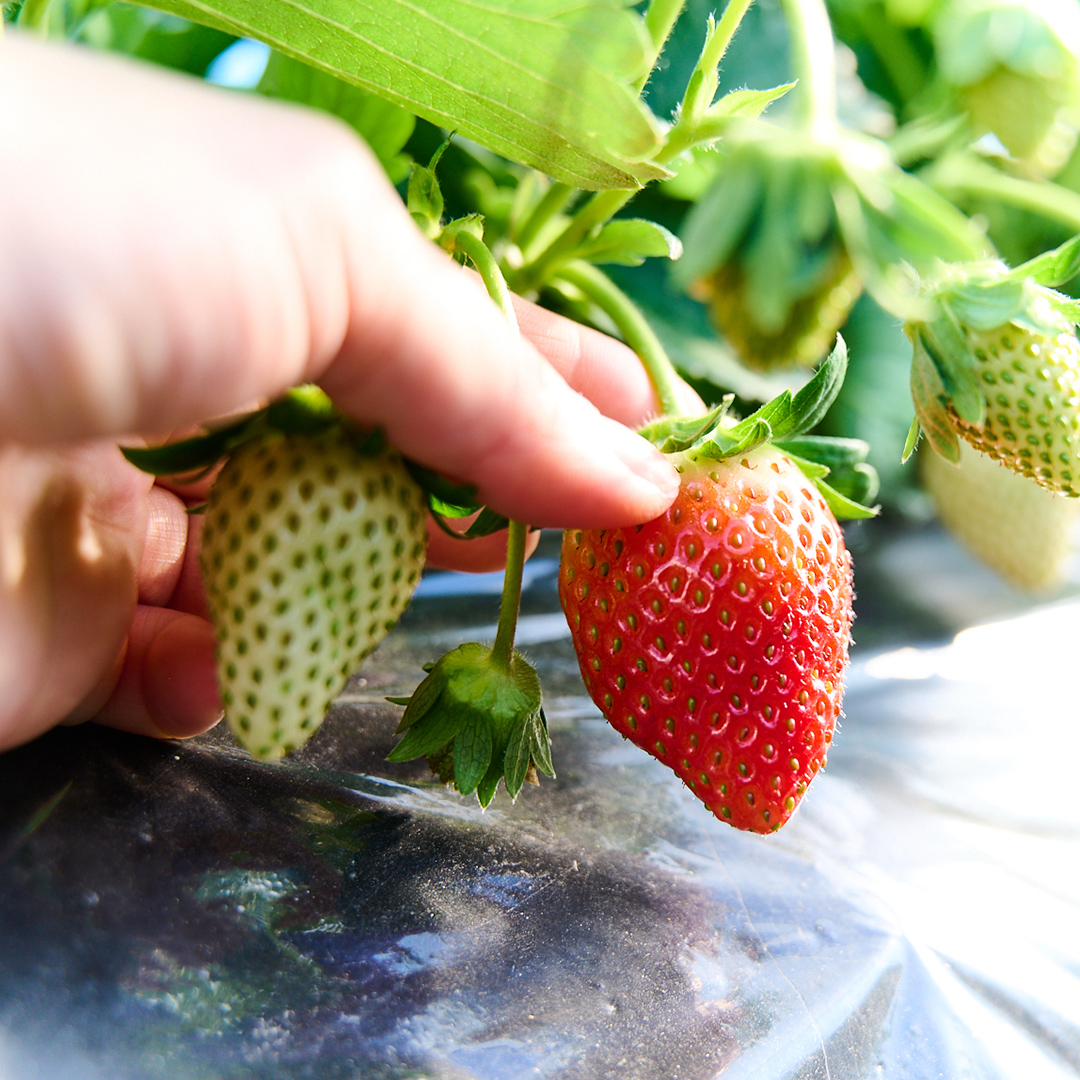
(171, 253)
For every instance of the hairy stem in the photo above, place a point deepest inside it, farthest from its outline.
(479, 254)
(660, 20)
(814, 55)
(503, 650)
(969, 176)
(632, 324)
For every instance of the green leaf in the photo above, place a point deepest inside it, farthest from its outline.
(745, 104)
(150, 35)
(472, 753)
(629, 242)
(548, 83)
(384, 127)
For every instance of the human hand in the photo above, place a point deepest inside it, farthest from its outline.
(170, 253)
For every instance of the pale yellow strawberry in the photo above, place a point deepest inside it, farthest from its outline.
(1024, 532)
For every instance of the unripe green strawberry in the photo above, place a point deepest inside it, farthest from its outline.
(997, 363)
(1031, 381)
(310, 552)
(716, 636)
(1015, 66)
(1027, 534)
(808, 328)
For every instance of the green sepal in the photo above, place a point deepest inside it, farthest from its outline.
(424, 197)
(301, 410)
(928, 394)
(789, 415)
(912, 440)
(673, 434)
(943, 343)
(487, 522)
(740, 439)
(1053, 268)
(842, 507)
(853, 483)
(304, 410)
(193, 455)
(473, 748)
(473, 224)
(470, 716)
(445, 497)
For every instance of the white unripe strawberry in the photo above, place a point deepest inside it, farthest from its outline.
(312, 548)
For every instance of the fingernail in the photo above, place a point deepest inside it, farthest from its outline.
(180, 684)
(650, 466)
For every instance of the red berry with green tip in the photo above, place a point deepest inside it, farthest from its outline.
(716, 636)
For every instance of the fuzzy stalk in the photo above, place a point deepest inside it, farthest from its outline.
(502, 652)
(632, 324)
(503, 649)
(813, 52)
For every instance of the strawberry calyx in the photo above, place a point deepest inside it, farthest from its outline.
(783, 422)
(963, 299)
(477, 721)
(303, 410)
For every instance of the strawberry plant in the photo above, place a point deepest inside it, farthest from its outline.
(777, 210)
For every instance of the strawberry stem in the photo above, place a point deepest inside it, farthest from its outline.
(552, 202)
(502, 652)
(632, 324)
(814, 55)
(599, 209)
(479, 254)
(701, 89)
(503, 649)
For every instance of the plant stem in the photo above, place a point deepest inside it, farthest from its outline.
(632, 324)
(554, 199)
(660, 20)
(503, 650)
(969, 176)
(814, 55)
(602, 206)
(479, 254)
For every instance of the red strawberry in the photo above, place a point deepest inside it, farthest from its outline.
(716, 636)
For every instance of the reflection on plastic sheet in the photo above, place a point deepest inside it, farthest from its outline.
(182, 912)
